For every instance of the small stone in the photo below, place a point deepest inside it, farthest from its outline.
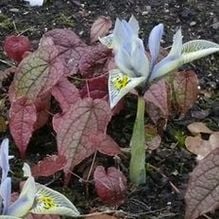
(193, 23)
(215, 25)
(15, 10)
(145, 13)
(148, 8)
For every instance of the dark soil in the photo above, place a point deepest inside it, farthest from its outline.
(169, 166)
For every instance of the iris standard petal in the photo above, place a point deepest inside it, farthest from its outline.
(123, 59)
(5, 193)
(154, 42)
(139, 61)
(4, 158)
(134, 25)
(176, 48)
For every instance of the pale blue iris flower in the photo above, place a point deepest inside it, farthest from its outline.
(34, 197)
(134, 68)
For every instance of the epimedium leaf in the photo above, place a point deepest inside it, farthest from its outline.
(42, 105)
(103, 143)
(48, 166)
(93, 60)
(202, 194)
(100, 28)
(73, 126)
(40, 216)
(110, 185)
(70, 48)
(65, 93)
(38, 72)
(95, 88)
(185, 90)
(157, 94)
(22, 117)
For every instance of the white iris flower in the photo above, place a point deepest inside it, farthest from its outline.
(34, 197)
(134, 68)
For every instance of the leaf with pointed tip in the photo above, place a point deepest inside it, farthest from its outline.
(38, 72)
(185, 90)
(70, 48)
(65, 93)
(72, 127)
(93, 60)
(103, 143)
(202, 194)
(48, 166)
(23, 116)
(157, 95)
(100, 28)
(42, 105)
(96, 88)
(39, 216)
(110, 184)
(48, 201)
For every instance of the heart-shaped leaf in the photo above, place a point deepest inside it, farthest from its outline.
(111, 185)
(38, 72)
(74, 126)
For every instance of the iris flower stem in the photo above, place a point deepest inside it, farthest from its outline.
(137, 171)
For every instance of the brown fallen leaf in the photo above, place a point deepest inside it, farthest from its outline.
(198, 146)
(152, 139)
(198, 127)
(202, 194)
(100, 28)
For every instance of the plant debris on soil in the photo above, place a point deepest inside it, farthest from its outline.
(168, 168)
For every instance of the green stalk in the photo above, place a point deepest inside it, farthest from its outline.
(137, 171)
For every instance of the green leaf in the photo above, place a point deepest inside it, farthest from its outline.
(137, 170)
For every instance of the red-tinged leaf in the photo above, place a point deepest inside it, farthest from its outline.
(157, 95)
(72, 128)
(70, 48)
(94, 60)
(185, 90)
(100, 28)
(41, 216)
(202, 194)
(38, 72)
(65, 93)
(23, 116)
(111, 185)
(16, 46)
(48, 166)
(96, 88)
(42, 105)
(103, 143)
(102, 216)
